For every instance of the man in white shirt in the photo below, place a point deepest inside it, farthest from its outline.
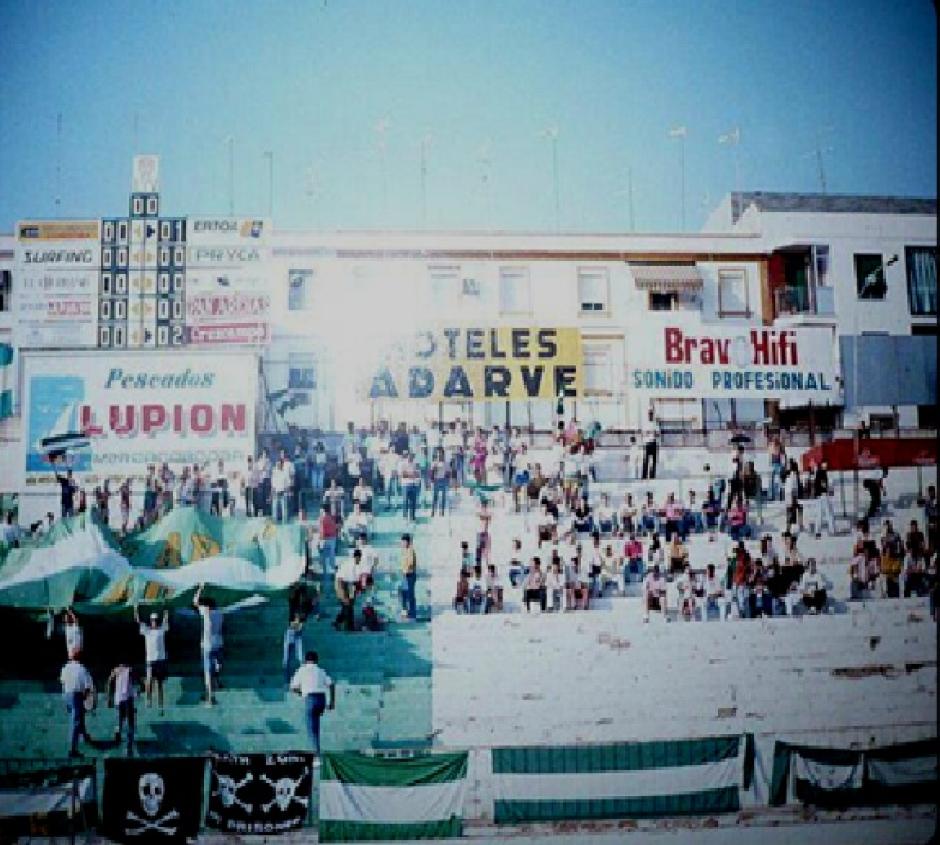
(76, 685)
(654, 593)
(154, 636)
(211, 643)
(312, 684)
(74, 638)
(714, 594)
(813, 588)
(280, 485)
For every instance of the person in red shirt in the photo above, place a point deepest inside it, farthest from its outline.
(328, 530)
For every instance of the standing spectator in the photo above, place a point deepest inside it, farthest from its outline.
(411, 486)
(67, 493)
(250, 482)
(932, 517)
(777, 462)
(892, 560)
(211, 643)
(439, 482)
(219, 501)
(409, 571)
(263, 505)
(154, 636)
(650, 445)
(714, 595)
(494, 590)
(76, 686)
(150, 495)
(328, 531)
(124, 497)
(633, 560)
(74, 636)
(122, 693)
(346, 583)
(312, 684)
(792, 486)
(318, 467)
(875, 487)
(555, 584)
(280, 489)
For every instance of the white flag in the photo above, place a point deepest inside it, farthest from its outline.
(732, 137)
(677, 132)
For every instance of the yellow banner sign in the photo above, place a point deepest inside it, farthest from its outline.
(456, 364)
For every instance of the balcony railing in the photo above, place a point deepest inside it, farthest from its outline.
(818, 301)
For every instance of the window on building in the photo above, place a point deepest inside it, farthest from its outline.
(870, 280)
(515, 292)
(299, 289)
(444, 285)
(593, 289)
(598, 372)
(302, 372)
(921, 264)
(6, 289)
(732, 293)
(663, 301)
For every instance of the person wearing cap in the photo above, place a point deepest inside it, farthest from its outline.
(154, 636)
(76, 685)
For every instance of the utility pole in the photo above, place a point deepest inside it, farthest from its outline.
(552, 134)
(58, 164)
(230, 142)
(269, 155)
(733, 139)
(680, 133)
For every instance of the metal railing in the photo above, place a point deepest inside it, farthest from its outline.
(815, 300)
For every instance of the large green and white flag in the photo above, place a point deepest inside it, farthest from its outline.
(369, 798)
(6, 380)
(626, 780)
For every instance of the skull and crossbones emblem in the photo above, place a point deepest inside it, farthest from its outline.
(151, 791)
(227, 790)
(285, 792)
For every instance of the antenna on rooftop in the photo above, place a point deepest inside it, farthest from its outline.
(817, 153)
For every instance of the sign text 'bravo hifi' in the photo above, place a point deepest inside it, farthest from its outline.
(461, 364)
(112, 415)
(711, 362)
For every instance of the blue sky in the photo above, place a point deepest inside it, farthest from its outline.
(310, 80)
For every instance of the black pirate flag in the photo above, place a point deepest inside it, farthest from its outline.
(259, 793)
(157, 800)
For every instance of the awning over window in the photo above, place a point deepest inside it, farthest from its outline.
(667, 278)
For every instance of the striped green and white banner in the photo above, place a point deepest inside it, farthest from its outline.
(627, 780)
(369, 798)
(6, 380)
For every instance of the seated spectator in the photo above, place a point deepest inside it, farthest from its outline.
(356, 525)
(686, 596)
(915, 547)
(609, 568)
(655, 553)
(812, 586)
(534, 586)
(914, 575)
(677, 555)
(605, 516)
(762, 600)
(517, 568)
(494, 590)
(362, 495)
(545, 527)
(583, 518)
(858, 572)
(768, 550)
(462, 595)
(737, 520)
(654, 593)
(627, 515)
(555, 585)
(476, 595)
(711, 509)
(577, 586)
(633, 560)
(714, 595)
(892, 559)
(674, 517)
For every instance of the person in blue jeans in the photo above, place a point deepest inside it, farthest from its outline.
(76, 684)
(409, 571)
(313, 685)
(440, 482)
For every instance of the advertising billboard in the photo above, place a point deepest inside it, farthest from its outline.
(480, 363)
(110, 414)
(55, 298)
(720, 362)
